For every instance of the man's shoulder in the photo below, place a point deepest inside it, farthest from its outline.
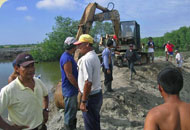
(9, 87)
(157, 111)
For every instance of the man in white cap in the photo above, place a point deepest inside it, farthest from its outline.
(69, 74)
(26, 98)
(89, 83)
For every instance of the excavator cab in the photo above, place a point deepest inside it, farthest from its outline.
(129, 34)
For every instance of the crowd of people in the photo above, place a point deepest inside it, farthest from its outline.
(26, 96)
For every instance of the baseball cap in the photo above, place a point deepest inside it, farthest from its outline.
(69, 42)
(115, 37)
(84, 38)
(24, 59)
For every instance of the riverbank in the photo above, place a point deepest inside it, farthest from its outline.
(11, 53)
(127, 107)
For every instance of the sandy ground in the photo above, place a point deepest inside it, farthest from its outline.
(126, 108)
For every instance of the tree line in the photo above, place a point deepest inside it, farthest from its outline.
(180, 38)
(51, 48)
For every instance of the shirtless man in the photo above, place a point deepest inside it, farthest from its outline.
(174, 114)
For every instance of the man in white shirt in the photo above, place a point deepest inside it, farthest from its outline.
(151, 48)
(89, 83)
(178, 58)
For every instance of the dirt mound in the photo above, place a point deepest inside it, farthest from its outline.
(127, 106)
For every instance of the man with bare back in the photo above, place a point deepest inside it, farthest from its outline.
(174, 114)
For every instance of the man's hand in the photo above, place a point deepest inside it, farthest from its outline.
(83, 107)
(45, 115)
(15, 127)
(108, 71)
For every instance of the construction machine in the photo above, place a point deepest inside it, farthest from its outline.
(127, 32)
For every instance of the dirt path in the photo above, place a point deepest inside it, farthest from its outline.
(126, 108)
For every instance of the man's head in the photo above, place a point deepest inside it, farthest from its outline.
(25, 65)
(150, 38)
(109, 43)
(171, 80)
(130, 46)
(176, 51)
(69, 43)
(24, 59)
(84, 43)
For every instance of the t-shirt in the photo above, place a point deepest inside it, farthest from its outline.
(150, 45)
(68, 89)
(170, 47)
(131, 55)
(25, 106)
(89, 69)
(178, 57)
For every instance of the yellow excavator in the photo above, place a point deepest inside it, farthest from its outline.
(127, 32)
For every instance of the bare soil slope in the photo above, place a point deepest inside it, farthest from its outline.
(126, 108)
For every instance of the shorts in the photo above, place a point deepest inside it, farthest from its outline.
(171, 53)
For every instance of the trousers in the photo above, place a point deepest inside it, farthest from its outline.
(92, 116)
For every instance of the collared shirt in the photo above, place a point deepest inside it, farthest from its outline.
(25, 107)
(106, 56)
(89, 69)
(68, 89)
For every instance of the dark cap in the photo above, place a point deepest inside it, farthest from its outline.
(109, 42)
(24, 59)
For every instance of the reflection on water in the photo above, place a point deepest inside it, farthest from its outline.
(5, 70)
(49, 71)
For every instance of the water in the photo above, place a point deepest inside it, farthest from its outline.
(49, 71)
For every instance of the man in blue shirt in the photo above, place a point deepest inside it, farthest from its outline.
(69, 75)
(107, 66)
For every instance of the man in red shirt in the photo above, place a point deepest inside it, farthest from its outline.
(170, 47)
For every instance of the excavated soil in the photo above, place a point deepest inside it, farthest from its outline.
(127, 106)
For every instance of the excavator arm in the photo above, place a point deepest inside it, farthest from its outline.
(89, 17)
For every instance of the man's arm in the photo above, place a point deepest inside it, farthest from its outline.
(86, 92)
(150, 122)
(45, 111)
(68, 71)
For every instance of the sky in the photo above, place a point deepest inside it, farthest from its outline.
(28, 21)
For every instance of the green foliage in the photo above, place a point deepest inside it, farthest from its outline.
(52, 47)
(180, 38)
(101, 29)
